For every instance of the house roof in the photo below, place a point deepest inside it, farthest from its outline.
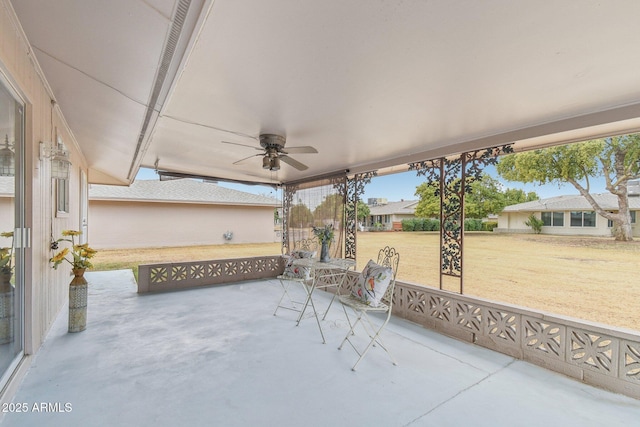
(179, 190)
(403, 207)
(607, 201)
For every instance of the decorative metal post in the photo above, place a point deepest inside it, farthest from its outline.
(452, 178)
(355, 189)
(287, 197)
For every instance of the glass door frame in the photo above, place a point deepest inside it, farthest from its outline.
(21, 234)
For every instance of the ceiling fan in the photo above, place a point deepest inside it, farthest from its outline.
(273, 151)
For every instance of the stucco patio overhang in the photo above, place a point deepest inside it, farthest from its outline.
(372, 85)
(217, 356)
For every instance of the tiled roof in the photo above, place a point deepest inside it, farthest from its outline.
(403, 207)
(575, 202)
(179, 190)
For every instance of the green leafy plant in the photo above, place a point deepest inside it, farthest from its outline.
(80, 253)
(535, 223)
(6, 255)
(324, 234)
(489, 225)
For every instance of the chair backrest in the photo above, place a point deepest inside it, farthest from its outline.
(389, 257)
(306, 245)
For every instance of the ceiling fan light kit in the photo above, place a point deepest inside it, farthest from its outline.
(270, 163)
(273, 146)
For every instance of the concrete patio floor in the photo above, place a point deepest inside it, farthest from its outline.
(218, 357)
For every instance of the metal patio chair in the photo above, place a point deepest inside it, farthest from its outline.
(305, 248)
(363, 300)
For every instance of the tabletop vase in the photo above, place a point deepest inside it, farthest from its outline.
(324, 252)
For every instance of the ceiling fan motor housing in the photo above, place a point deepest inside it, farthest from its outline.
(269, 140)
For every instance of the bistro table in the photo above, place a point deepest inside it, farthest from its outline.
(324, 275)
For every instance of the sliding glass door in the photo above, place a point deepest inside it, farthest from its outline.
(13, 237)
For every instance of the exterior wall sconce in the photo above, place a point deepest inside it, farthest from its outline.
(60, 163)
(7, 158)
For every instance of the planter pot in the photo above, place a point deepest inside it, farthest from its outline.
(324, 252)
(6, 308)
(78, 302)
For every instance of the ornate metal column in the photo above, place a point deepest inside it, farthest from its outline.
(287, 197)
(452, 178)
(355, 189)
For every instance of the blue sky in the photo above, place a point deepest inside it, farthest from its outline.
(402, 186)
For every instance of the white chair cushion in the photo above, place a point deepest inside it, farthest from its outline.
(297, 271)
(372, 283)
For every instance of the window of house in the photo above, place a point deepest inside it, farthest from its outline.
(553, 219)
(633, 219)
(62, 187)
(583, 219)
(62, 197)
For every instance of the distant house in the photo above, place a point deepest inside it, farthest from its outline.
(180, 212)
(567, 215)
(387, 213)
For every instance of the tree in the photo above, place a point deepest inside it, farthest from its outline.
(363, 211)
(513, 196)
(486, 197)
(301, 216)
(617, 159)
(429, 204)
(330, 210)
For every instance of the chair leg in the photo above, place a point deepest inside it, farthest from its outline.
(308, 301)
(336, 294)
(374, 337)
(285, 292)
(315, 313)
(344, 308)
(351, 332)
(330, 303)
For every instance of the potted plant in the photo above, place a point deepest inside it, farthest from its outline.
(6, 290)
(6, 263)
(79, 261)
(325, 237)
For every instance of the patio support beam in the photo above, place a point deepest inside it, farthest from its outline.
(452, 178)
(355, 189)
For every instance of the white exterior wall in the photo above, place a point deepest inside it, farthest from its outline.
(46, 290)
(513, 222)
(131, 224)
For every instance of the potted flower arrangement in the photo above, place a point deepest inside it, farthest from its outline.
(325, 237)
(79, 261)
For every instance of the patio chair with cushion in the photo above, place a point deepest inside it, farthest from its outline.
(292, 273)
(372, 293)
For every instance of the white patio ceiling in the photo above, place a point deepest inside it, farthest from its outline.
(369, 83)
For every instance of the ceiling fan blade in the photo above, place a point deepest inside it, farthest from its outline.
(301, 150)
(292, 162)
(243, 145)
(241, 161)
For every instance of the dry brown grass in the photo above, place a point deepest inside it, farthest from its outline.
(588, 278)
